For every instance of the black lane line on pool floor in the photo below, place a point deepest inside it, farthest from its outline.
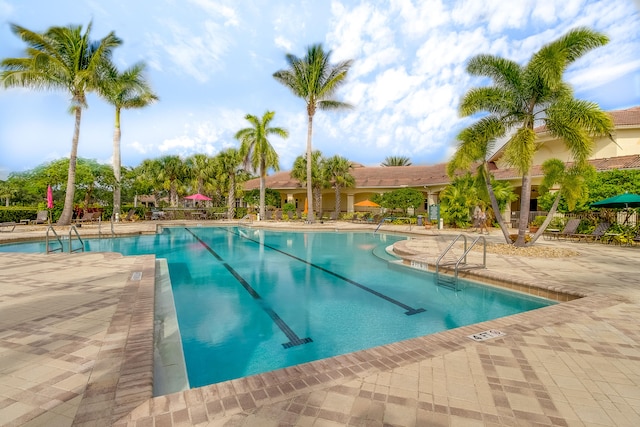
(410, 310)
(294, 340)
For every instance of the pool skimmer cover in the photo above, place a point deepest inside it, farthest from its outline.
(487, 335)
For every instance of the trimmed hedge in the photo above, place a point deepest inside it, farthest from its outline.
(15, 214)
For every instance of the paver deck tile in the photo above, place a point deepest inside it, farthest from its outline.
(74, 334)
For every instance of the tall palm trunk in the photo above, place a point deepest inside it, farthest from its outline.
(310, 214)
(67, 210)
(262, 191)
(337, 189)
(231, 203)
(525, 200)
(117, 135)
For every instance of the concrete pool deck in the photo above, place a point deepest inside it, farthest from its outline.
(76, 348)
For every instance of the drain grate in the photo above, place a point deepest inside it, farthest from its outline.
(487, 335)
(136, 275)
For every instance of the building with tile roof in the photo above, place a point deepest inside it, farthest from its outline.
(621, 152)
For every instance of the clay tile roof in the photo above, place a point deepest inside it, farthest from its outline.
(371, 177)
(623, 162)
(628, 117)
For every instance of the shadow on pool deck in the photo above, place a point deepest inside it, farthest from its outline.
(76, 348)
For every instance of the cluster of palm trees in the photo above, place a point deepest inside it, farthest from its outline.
(326, 172)
(520, 99)
(65, 58)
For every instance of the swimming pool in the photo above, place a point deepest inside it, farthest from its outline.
(253, 300)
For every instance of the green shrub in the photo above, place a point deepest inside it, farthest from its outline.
(15, 214)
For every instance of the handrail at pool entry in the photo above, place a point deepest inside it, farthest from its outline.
(81, 248)
(61, 248)
(447, 249)
(453, 282)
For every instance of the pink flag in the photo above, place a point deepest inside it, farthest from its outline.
(49, 198)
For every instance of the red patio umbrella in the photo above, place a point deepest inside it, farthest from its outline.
(197, 196)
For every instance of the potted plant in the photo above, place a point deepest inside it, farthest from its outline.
(534, 226)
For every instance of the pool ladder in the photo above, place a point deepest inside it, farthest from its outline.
(74, 230)
(452, 281)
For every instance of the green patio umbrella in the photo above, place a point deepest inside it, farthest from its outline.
(626, 200)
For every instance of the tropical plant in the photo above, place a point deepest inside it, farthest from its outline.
(313, 79)
(402, 198)
(271, 198)
(256, 149)
(202, 172)
(337, 173)
(457, 200)
(318, 180)
(61, 58)
(522, 97)
(229, 162)
(125, 90)
(170, 172)
(396, 161)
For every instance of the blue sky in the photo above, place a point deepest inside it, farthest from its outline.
(211, 62)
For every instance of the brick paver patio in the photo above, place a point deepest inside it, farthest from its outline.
(76, 348)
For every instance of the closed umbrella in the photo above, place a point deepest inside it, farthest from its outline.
(49, 198)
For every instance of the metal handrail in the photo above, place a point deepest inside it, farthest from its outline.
(463, 258)
(464, 255)
(61, 248)
(81, 248)
(449, 248)
(246, 218)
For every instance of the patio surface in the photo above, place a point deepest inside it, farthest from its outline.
(76, 348)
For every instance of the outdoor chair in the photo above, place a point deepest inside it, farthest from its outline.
(596, 234)
(7, 226)
(41, 218)
(569, 229)
(130, 215)
(86, 217)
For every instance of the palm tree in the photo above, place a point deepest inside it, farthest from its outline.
(171, 173)
(522, 97)
(128, 89)
(315, 80)
(202, 170)
(61, 58)
(229, 162)
(256, 149)
(337, 172)
(318, 181)
(396, 161)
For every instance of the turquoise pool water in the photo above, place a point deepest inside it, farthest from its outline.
(250, 301)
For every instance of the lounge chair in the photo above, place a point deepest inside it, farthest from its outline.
(7, 227)
(86, 217)
(596, 234)
(569, 229)
(130, 215)
(278, 215)
(41, 218)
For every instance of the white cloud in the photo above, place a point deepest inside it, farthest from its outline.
(390, 86)
(197, 50)
(283, 43)
(216, 9)
(420, 19)
(6, 9)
